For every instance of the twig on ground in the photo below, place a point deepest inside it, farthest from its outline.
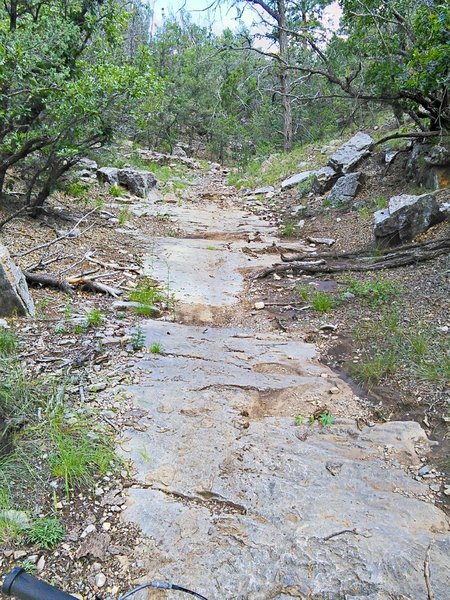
(333, 535)
(427, 574)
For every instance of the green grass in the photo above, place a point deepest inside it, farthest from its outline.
(288, 229)
(321, 302)
(156, 348)
(94, 318)
(372, 369)
(376, 291)
(124, 215)
(116, 191)
(46, 533)
(9, 343)
(147, 294)
(77, 189)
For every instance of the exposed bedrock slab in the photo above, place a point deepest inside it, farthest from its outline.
(294, 180)
(15, 298)
(238, 502)
(351, 153)
(345, 189)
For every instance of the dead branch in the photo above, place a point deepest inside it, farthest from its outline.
(47, 280)
(412, 134)
(58, 239)
(88, 256)
(94, 286)
(392, 260)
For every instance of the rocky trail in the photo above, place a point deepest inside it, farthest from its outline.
(236, 497)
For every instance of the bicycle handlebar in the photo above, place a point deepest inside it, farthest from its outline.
(21, 585)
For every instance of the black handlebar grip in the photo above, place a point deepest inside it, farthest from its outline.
(19, 584)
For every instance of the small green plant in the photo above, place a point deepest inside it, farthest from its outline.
(80, 328)
(372, 369)
(377, 291)
(298, 420)
(41, 307)
(156, 348)
(321, 302)
(304, 292)
(121, 314)
(77, 189)
(29, 567)
(68, 310)
(288, 229)
(211, 248)
(146, 294)
(9, 344)
(137, 339)
(46, 532)
(116, 191)
(94, 318)
(419, 344)
(326, 419)
(60, 329)
(124, 215)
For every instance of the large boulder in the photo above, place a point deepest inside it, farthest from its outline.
(345, 189)
(429, 165)
(324, 180)
(405, 217)
(15, 299)
(139, 183)
(348, 156)
(294, 180)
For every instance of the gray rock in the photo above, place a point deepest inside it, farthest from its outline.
(179, 151)
(389, 156)
(429, 165)
(108, 175)
(294, 180)
(325, 178)
(263, 190)
(406, 217)
(88, 164)
(345, 189)
(444, 210)
(15, 298)
(4, 324)
(348, 156)
(139, 183)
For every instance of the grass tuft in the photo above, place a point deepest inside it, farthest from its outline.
(46, 532)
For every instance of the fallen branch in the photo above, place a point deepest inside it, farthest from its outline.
(333, 535)
(47, 280)
(94, 286)
(392, 260)
(91, 259)
(58, 239)
(412, 134)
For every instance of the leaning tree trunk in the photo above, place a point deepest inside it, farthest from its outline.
(285, 84)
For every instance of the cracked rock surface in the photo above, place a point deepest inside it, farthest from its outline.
(235, 499)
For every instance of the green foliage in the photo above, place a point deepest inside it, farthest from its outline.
(326, 419)
(371, 369)
(46, 532)
(124, 215)
(137, 339)
(298, 420)
(77, 189)
(321, 302)
(288, 229)
(376, 291)
(147, 294)
(116, 190)
(156, 348)
(94, 318)
(9, 343)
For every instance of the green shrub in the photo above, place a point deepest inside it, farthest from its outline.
(46, 533)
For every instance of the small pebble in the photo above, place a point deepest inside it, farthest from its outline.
(100, 580)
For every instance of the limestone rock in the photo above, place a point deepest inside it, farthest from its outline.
(324, 180)
(108, 175)
(349, 155)
(406, 217)
(345, 189)
(294, 180)
(263, 190)
(179, 151)
(139, 183)
(88, 164)
(15, 297)
(430, 165)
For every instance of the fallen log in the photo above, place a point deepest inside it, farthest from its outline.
(67, 285)
(417, 254)
(47, 280)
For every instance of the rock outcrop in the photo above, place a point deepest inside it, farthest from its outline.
(15, 298)
(405, 217)
(139, 183)
(324, 180)
(351, 153)
(345, 189)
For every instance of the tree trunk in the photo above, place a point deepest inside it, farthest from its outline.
(285, 83)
